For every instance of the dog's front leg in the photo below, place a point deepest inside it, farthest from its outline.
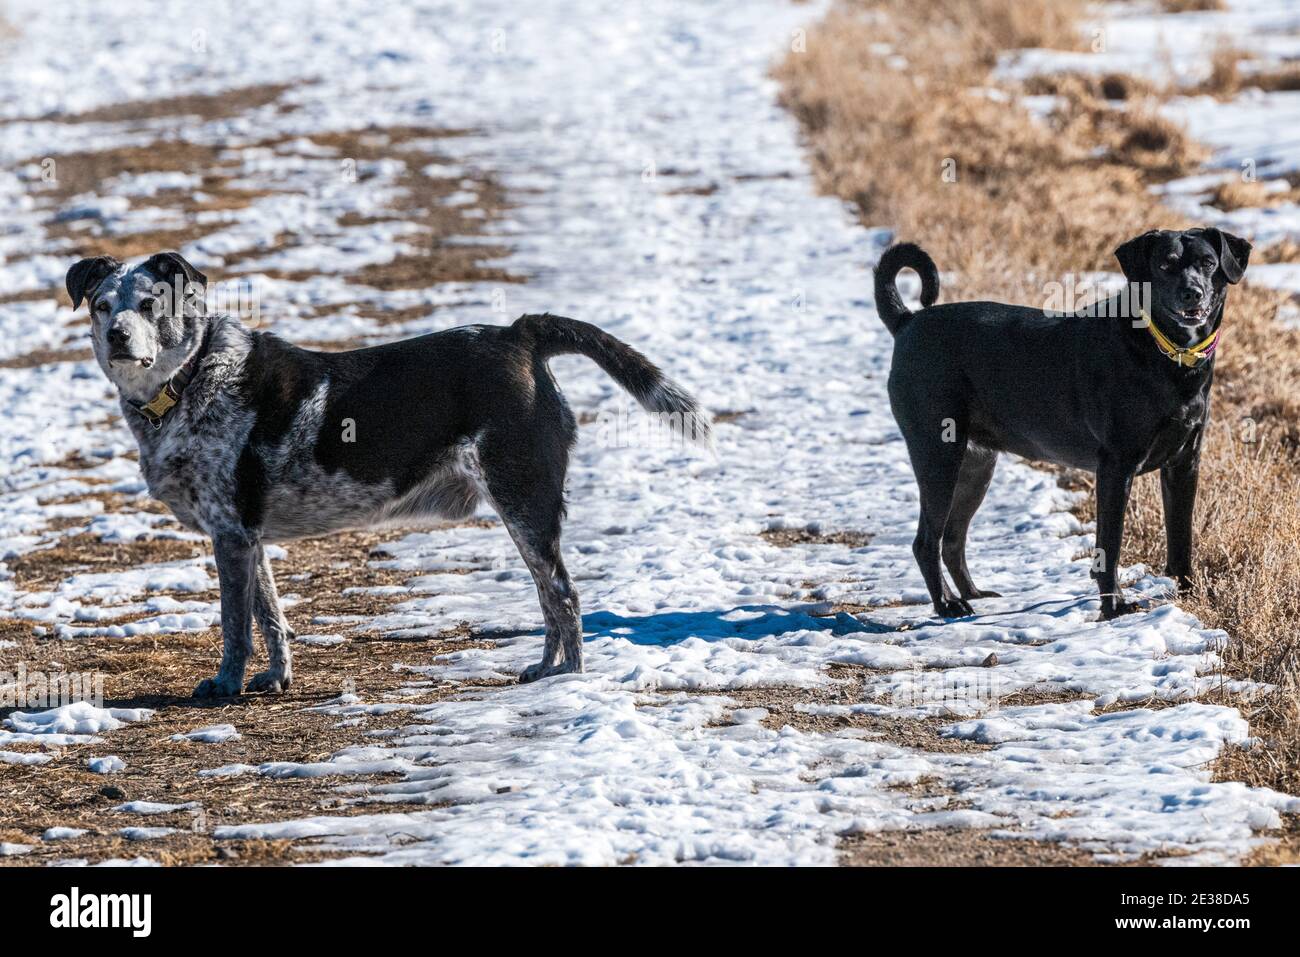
(236, 557)
(1178, 491)
(275, 630)
(1114, 483)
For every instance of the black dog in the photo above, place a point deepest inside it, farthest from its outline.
(1118, 389)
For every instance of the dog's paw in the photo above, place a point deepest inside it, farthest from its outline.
(1111, 609)
(953, 608)
(981, 593)
(538, 671)
(218, 686)
(269, 681)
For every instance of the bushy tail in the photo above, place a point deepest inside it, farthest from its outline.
(556, 335)
(889, 304)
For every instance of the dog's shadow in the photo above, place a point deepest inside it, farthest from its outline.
(746, 622)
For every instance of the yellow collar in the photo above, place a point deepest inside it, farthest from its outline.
(160, 405)
(1185, 356)
(170, 393)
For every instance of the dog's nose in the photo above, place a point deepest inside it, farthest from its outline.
(117, 337)
(1190, 296)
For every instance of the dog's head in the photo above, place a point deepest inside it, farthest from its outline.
(1188, 274)
(145, 319)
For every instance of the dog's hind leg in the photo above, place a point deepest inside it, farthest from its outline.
(972, 483)
(275, 630)
(536, 534)
(236, 558)
(525, 483)
(561, 608)
(937, 463)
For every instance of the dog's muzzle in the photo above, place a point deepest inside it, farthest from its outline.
(119, 348)
(145, 361)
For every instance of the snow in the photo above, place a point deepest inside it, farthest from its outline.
(24, 757)
(227, 771)
(213, 734)
(121, 862)
(323, 641)
(111, 764)
(757, 295)
(1139, 39)
(153, 807)
(62, 833)
(79, 718)
(145, 833)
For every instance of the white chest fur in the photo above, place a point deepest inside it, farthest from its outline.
(191, 466)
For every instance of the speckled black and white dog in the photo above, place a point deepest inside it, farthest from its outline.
(250, 439)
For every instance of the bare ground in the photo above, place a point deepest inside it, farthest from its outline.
(158, 673)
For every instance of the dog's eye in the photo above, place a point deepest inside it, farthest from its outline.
(1207, 262)
(102, 307)
(147, 307)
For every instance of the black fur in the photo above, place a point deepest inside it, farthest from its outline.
(1091, 391)
(186, 282)
(417, 399)
(85, 276)
(889, 304)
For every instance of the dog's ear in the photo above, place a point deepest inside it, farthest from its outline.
(86, 275)
(167, 266)
(1135, 257)
(1234, 253)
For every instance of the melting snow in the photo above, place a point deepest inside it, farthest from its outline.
(213, 734)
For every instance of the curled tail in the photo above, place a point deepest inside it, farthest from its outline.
(641, 378)
(889, 304)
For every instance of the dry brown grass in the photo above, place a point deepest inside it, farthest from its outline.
(1100, 86)
(786, 537)
(847, 686)
(40, 357)
(956, 847)
(1030, 200)
(1191, 6)
(1239, 194)
(1225, 69)
(1034, 201)
(203, 106)
(1227, 76)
